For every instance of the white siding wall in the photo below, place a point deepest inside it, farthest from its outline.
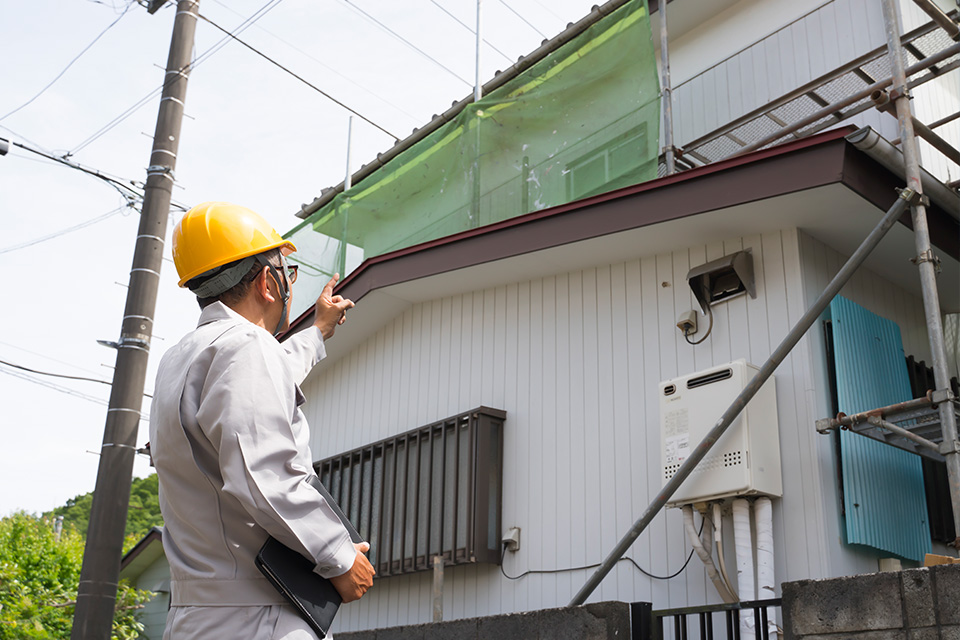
(154, 613)
(575, 360)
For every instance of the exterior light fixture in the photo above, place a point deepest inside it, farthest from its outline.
(721, 279)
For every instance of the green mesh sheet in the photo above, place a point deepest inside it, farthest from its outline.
(584, 120)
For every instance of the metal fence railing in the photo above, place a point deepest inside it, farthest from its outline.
(703, 622)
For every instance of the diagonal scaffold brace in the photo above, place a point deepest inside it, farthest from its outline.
(907, 198)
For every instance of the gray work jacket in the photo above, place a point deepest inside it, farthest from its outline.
(231, 449)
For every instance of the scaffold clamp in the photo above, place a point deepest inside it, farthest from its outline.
(927, 256)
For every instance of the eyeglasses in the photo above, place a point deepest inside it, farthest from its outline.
(292, 272)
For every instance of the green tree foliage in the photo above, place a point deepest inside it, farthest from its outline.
(143, 514)
(39, 576)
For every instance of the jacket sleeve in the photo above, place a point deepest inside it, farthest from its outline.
(248, 409)
(304, 350)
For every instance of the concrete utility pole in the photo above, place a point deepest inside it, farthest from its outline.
(96, 597)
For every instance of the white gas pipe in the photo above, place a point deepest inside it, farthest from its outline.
(766, 582)
(701, 548)
(743, 543)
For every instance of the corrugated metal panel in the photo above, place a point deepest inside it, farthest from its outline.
(882, 486)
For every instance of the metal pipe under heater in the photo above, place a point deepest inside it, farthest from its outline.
(907, 196)
(743, 545)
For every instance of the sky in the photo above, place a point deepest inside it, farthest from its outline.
(253, 135)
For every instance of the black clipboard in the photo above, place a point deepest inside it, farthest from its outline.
(314, 597)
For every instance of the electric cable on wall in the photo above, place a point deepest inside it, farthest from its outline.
(686, 334)
(594, 566)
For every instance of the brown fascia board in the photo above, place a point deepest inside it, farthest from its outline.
(156, 534)
(816, 161)
(879, 185)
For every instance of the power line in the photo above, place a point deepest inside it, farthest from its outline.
(22, 137)
(550, 11)
(332, 70)
(470, 29)
(60, 388)
(61, 375)
(127, 192)
(131, 194)
(54, 375)
(525, 21)
(70, 64)
(301, 79)
(44, 356)
(62, 232)
(55, 387)
(139, 104)
(407, 42)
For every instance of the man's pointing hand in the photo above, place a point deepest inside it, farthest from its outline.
(331, 309)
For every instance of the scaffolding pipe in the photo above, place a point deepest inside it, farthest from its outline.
(907, 196)
(666, 91)
(877, 421)
(926, 260)
(832, 109)
(881, 100)
(938, 16)
(883, 151)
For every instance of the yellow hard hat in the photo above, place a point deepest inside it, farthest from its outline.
(213, 234)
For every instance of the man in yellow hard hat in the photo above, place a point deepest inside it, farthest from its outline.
(229, 441)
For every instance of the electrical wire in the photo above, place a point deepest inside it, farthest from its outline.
(594, 566)
(407, 42)
(301, 79)
(416, 119)
(61, 389)
(525, 21)
(549, 10)
(686, 335)
(63, 232)
(70, 64)
(116, 183)
(54, 375)
(470, 29)
(139, 104)
(23, 137)
(55, 387)
(44, 356)
(132, 195)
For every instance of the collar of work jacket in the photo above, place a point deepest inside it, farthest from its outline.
(231, 448)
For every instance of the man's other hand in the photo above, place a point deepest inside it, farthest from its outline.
(355, 582)
(331, 309)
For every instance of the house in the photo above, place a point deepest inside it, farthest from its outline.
(502, 376)
(145, 567)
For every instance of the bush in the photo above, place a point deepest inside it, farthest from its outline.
(39, 576)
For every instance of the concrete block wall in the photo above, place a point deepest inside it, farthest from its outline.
(600, 621)
(916, 604)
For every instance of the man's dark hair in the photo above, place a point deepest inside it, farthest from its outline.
(237, 292)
